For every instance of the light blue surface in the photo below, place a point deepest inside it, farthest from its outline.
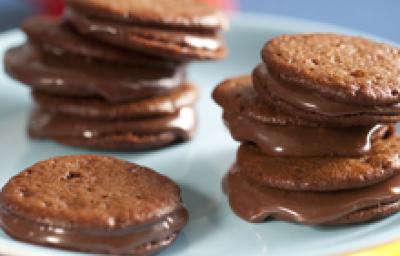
(373, 16)
(197, 166)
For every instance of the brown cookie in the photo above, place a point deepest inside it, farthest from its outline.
(93, 204)
(251, 119)
(186, 14)
(344, 68)
(57, 37)
(183, 96)
(237, 95)
(77, 77)
(317, 107)
(321, 174)
(255, 202)
(168, 43)
(129, 134)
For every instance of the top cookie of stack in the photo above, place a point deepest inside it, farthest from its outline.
(332, 79)
(112, 74)
(179, 29)
(316, 122)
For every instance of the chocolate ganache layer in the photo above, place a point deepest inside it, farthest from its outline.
(47, 124)
(74, 77)
(298, 141)
(122, 241)
(256, 203)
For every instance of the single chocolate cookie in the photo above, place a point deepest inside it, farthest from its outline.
(77, 77)
(93, 204)
(342, 68)
(316, 106)
(256, 202)
(321, 174)
(57, 37)
(277, 133)
(183, 14)
(183, 96)
(168, 43)
(128, 134)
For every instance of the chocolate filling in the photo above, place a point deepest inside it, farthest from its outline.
(46, 124)
(297, 141)
(309, 100)
(256, 203)
(121, 241)
(74, 76)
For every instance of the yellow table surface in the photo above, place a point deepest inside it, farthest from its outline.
(388, 249)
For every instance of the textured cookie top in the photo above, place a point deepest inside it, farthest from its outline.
(348, 68)
(321, 173)
(238, 95)
(180, 13)
(90, 191)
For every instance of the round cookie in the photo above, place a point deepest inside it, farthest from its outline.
(183, 14)
(318, 173)
(57, 37)
(277, 133)
(316, 107)
(74, 77)
(343, 68)
(129, 134)
(238, 95)
(167, 43)
(183, 96)
(256, 202)
(93, 204)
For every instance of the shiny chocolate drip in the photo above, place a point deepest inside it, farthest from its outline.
(79, 77)
(256, 203)
(120, 241)
(310, 100)
(297, 141)
(44, 124)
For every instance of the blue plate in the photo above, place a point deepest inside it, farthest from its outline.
(197, 166)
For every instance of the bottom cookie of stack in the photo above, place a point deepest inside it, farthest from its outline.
(95, 123)
(255, 197)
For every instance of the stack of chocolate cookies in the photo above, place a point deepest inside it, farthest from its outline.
(317, 125)
(112, 74)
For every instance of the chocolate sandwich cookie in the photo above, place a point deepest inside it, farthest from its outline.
(277, 133)
(183, 14)
(93, 204)
(182, 30)
(92, 108)
(256, 202)
(129, 134)
(79, 77)
(59, 38)
(321, 173)
(329, 78)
